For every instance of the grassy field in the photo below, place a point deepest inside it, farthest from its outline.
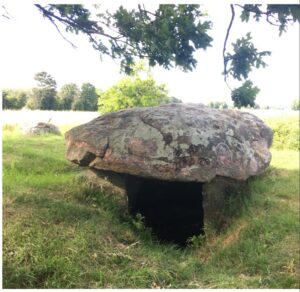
(60, 233)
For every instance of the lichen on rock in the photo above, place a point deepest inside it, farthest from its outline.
(180, 142)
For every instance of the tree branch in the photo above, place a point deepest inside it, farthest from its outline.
(94, 30)
(269, 21)
(225, 59)
(268, 14)
(8, 16)
(57, 28)
(66, 20)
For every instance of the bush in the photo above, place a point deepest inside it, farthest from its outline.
(296, 105)
(286, 132)
(134, 91)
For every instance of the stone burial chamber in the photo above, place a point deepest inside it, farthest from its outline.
(180, 165)
(42, 129)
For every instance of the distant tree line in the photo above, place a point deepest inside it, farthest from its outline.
(14, 98)
(218, 104)
(46, 97)
(132, 91)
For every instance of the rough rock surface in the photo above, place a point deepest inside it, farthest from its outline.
(222, 200)
(176, 142)
(44, 128)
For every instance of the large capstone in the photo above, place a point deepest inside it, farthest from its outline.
(177, 142)
(179, 149)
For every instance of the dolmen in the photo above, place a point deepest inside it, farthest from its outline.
(180, 165)
(42, 128)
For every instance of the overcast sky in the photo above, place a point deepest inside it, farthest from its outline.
(30, 44)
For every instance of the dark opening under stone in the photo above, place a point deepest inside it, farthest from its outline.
(173, 210)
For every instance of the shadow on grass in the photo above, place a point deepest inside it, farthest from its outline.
(71, 236)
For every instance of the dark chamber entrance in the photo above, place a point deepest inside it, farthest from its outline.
(173, 210)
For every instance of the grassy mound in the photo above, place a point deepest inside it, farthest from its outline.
(60, 233)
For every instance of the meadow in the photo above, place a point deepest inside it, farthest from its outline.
(59, 232)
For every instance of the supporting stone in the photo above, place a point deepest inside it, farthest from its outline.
(175, 211)
(223, 199)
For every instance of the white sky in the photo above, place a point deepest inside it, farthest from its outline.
(30, 44)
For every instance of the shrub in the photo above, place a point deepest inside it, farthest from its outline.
(286, 132)
(296, 105)
(134, 91)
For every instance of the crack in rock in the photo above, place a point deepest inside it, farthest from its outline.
(167, 137)
(105, 149)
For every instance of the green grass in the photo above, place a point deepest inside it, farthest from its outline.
(59, 233)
